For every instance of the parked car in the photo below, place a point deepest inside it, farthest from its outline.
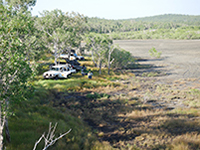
(77, 67)
(66, 56)
(74, 64)
(78, 57)
(58, 71)
(73, 70)
(73, 56)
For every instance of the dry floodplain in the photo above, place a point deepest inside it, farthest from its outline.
(179, 58)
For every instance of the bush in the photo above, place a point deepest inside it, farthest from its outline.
(154, 53)
(122, 58)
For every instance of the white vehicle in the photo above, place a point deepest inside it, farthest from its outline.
(73, 56)
(65, 56)
(58, 71)
(71, 69)
(78, 57)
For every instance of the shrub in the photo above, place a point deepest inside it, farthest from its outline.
(122, 58)
(154, 53)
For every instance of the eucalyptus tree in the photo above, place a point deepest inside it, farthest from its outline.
(110, 59)
(22, 5)
(62, 31)
(15, 68)
(99, 44)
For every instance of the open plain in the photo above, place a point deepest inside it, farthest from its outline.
(180, 59)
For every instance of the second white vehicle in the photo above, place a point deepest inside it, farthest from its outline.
(73, 56)
(58, 71)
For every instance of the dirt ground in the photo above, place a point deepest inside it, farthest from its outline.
(180, 59)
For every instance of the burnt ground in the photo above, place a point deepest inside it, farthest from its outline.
(137, 115)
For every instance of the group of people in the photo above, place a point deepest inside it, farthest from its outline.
(85, 72)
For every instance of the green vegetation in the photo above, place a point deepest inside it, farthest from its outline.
(156, 27)
(31, 120)
(184, 33)
(154, 53)
(115, 109)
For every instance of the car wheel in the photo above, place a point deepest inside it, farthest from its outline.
(46, 77)
(56, 77)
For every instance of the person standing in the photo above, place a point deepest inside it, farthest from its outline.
(90, 75)
(83, 70)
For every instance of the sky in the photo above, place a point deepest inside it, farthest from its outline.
(120, 9)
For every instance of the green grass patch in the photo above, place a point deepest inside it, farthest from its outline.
(31, 119)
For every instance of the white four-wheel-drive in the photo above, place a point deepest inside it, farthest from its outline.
(59, 71)
(73, 56)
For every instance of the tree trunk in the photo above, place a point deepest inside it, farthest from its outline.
(8, 139)
(55, 53)
(2, 121)
(109, 64)
(109, 57)
(93, 59)
(100, 63)
(1, 137)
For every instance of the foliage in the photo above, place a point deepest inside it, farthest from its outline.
(17, 49)
(22, 5)
(62, 31)
(122, 58)
(99, 44)
(157, 27)
(191, 32)
(154, 53)
(32, 118)
(169, 21)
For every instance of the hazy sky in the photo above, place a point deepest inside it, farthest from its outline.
(120, 9)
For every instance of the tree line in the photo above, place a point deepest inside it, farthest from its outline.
(173, 27)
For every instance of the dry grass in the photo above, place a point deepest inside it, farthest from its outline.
(186, 141)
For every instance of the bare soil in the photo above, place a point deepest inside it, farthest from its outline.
(180, 59)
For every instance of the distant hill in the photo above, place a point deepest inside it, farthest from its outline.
(168, 26)
(177, 18)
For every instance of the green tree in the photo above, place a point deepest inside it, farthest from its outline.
(121, 58)
(62, 31)
(15, 66)
(99, 44)
(22, 5)
(110, 59)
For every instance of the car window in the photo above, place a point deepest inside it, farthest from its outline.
(55, 69)
(65, 69)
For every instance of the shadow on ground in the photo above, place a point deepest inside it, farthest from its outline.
(123, 122)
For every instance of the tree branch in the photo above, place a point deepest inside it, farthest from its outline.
(49, 141)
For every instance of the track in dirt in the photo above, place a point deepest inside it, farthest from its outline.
(179, 59)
